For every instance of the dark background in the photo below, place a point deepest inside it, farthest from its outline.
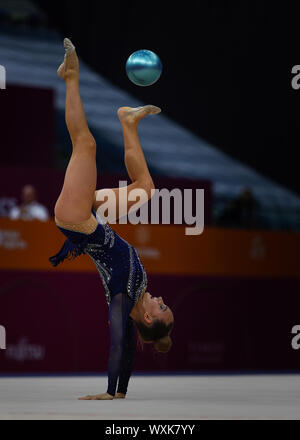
(227, 68)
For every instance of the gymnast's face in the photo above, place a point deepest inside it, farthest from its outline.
(155, 308)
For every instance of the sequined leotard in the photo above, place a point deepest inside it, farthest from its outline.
(125, 280)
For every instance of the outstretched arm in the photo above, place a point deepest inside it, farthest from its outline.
(119, 311)
(127, 359)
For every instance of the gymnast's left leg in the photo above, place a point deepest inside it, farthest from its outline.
(75, 202)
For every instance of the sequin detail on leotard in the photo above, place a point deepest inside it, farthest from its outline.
(119, 266)
(117, 262)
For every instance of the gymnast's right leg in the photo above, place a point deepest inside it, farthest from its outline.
(74, 205)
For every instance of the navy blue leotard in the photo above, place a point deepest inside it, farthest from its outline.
(124, 279)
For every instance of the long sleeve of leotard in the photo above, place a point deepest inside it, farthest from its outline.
(127, 358)
(121, 341)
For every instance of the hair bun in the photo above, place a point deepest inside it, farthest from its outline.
(163, 345)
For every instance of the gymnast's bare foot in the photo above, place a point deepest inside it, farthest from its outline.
(120, 396)
(104, 396)
(129, 115)
(70, 67)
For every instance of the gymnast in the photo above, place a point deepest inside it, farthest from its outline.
(76, 215)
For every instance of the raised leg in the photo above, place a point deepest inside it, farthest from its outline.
(135, 161)
(77, 196)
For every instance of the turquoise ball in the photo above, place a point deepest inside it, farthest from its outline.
(144, 68)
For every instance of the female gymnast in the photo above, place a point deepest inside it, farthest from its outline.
(122, 274)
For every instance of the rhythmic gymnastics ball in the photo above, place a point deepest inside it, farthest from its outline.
(144, 68)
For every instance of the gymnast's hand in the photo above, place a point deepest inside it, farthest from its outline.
(104, 396)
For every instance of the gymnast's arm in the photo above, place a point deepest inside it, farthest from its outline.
(120, 347)
(127, 359)
(121, 343)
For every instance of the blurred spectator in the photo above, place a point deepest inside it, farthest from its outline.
(30, 209)
(242, 212)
